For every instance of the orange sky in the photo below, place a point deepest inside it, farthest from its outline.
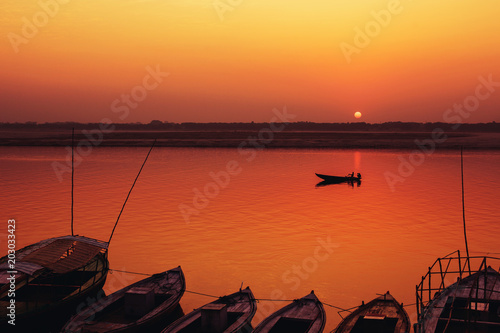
(240, 60)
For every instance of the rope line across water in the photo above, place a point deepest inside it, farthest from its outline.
(257, 299)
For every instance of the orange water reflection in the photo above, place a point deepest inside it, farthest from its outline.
(268, 226)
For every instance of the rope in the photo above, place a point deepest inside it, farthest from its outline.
(333, 306)
(276, 300)
(202, 294)
(214, 296)
(449, 254)
(128, 195)
(117, 270)
(406, 305)
(463, 203)
(72, 176)
(257, 299)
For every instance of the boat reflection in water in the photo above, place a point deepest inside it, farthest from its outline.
(331, 180)
(348, 182)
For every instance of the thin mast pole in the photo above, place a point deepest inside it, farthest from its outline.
(128, 195)
(72, 176)
(463, 205)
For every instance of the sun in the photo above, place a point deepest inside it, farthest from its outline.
(357, 114)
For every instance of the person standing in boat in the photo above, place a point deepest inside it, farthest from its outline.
(359, 175)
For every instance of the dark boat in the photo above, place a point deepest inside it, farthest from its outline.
(383, 314)
(135, 308)
(471, 304)
(304, 315)
(337, 179)
(52, 277)
(232, 313)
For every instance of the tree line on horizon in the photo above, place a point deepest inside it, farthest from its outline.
(158, 125)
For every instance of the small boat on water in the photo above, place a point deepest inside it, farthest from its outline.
(337, 179)
(228, 314)
(304, 315)
(51, 276)
(135, 308)
(383, 314)
(471, 304)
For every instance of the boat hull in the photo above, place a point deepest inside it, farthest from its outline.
(471, 304)
(240, 306)
(54, 277)
(305, 315)
(383, 314)
(109, 313)
(336, 179)
(46, 296)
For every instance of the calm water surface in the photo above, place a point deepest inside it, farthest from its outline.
(266, 226)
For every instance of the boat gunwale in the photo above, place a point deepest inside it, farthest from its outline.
(311, 297)
(34, 269)
(246, 318)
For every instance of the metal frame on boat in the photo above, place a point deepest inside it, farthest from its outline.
(459, 294)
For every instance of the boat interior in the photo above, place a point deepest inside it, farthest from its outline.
(478, 315)
(375, 324)
(291, 325)
(114, 313)
(195, 325)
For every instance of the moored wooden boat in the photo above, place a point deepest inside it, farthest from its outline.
(383, 314)
(231, 313)
(304, 315)
(134, 308)
(43, 284)
(51, 277)
(472, 304)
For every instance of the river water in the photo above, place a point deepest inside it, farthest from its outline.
(256, 218)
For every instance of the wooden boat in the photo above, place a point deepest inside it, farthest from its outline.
(337, 179)
(231, 313)
(51, 276)
(134, 308)
(472, 304)
(304, 315)
(383, 314)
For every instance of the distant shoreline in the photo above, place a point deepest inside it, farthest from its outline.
(254, 139)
